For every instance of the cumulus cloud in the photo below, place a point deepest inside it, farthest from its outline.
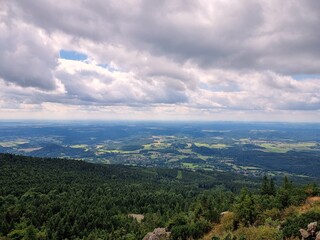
(244, 34)
(172, 57)
(26, 58)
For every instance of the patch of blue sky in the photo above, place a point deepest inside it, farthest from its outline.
(109, 67)
(77, 56)
(219, 87)
(72, 55)
(306, 76)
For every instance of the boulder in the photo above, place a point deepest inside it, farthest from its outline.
(304, 233)
(158, 234)
(312, 226)
(151, 236)
(160, 231)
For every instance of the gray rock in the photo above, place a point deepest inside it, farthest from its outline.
(304, 233)
(312, 226)
(151, 236)
(158, 234)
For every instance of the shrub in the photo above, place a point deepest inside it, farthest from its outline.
(292, 225)
(261, 233)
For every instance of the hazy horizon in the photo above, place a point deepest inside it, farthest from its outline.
(156, 122)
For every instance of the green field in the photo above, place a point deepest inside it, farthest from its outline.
(280, 147)
(13, 143)
(85, 146)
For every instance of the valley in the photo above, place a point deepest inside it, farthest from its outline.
(253, 149)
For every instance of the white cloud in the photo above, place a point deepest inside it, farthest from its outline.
(26, 58)
(169, 59)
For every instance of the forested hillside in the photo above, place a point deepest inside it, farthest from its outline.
(67, 199)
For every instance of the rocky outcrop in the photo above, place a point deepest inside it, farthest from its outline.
(311, 232)
(158, 234)
(304, 233)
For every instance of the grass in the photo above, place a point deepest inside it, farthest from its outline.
(249, 168)
(101, 151)
(85, 146)
(179, 175)
(276, 148)
(12, 144)
(148, 146)
(138, 217)
(156, 145)
(217, 146)
(198, 144)
(221, 145)
(189, 165)
(285, 147)
(244, 140)
(186, 151)
(27, 150)
(204, 158)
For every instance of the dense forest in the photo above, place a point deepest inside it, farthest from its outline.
(42, 198)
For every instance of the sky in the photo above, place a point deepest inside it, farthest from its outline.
(210, 60)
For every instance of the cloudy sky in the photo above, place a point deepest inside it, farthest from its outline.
(248, 60)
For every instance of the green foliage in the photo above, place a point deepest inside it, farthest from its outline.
(244, 208)
(194, 230)
(267, 186)
(229, 236)
(66, 199)
(261, 232)
(292, 225)
(30, 233)
(25, 231)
